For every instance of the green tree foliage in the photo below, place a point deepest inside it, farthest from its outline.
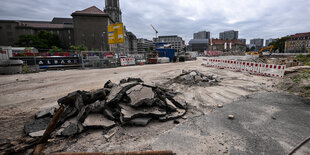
(55, 49)
(279, 44)
(42, 40)
(79, 48)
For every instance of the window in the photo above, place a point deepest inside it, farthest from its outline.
(9, 33)
(11, 40)
(8, 27)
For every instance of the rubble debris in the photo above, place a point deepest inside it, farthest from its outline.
(195, 78)
(176, 122)
(98, 121)
(231, 117)
(140, 95)
(174, 115)
(37, 134)
(110, 134)
(71, 130)
(129, 103)
(220, 106)
(140, 121)
(44, 113)
(37, 125)
(129, 113)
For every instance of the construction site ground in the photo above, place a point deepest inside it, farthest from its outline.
(22, 95)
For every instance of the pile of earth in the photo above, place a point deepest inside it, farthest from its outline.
(195, 78)
(132, 102)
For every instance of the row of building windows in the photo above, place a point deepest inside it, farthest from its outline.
(301, 38)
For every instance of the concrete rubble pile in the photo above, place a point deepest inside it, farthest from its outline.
(129, 103)
(195, 78)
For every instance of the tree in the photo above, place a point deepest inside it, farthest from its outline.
(55, 49)
(79, 48)
(42, 40)
(279, 44)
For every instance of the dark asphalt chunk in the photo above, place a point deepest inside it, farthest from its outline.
(37, 125)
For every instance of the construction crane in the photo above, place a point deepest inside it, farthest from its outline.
(156, 32)
(260, 52)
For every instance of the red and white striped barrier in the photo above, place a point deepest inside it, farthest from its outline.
(214, 53)
(128, 61)
(245, 66)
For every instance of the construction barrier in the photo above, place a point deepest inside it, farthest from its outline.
(245, 66)
(128, 61)
(214, 53)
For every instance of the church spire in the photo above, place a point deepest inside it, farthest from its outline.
(112, 8)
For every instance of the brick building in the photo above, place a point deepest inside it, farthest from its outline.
(10, 30)
(298, 43)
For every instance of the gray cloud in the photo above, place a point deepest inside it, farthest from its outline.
(253, 18)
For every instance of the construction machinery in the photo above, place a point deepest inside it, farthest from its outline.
(156, 32)
(260, 52)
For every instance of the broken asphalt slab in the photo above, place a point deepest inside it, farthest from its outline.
(139, 95)
(98, 121)
(253, 131)
(37, 125)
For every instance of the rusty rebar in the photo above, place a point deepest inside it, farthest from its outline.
(50, 128)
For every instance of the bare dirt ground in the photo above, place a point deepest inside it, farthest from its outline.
(297, 81)
(21, 96)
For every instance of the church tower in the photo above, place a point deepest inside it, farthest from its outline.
(113, 9)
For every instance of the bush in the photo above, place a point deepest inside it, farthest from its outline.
(303, 58)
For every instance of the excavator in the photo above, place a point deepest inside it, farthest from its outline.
(260, 52)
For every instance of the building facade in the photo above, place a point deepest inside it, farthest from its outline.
(259, 43)
(91, 28)
(145, 45)
(10, 30)
(229, 35)
(87, 27)
(112, 8)
(131, 42)
(242, 40)
(268, 41)
(199, 45)
(298, 43)
(175, 41)
(227, 45)
(202, 35)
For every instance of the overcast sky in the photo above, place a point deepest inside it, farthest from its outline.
(252, 18)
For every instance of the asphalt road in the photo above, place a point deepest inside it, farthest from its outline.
(269, 123)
